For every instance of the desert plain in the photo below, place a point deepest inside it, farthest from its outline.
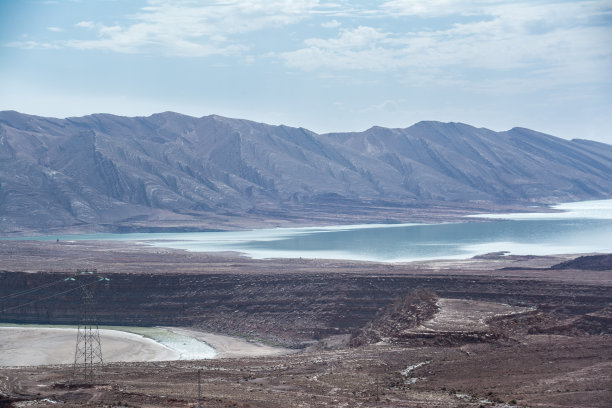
(494, 331)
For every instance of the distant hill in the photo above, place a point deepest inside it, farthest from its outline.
(170, 171)
(589, 262)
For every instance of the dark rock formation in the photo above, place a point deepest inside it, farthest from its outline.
(589, 262)
(294, 309)
(406, 312)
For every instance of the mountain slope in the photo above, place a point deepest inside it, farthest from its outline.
(454, 161)
(106, 172)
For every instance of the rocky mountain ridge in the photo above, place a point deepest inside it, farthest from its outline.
(111, 173)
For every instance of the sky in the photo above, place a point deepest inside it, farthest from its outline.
(323, 65)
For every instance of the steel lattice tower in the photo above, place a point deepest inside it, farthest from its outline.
(88, 352)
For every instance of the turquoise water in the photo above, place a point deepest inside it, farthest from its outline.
(188, 348)
(581, 228)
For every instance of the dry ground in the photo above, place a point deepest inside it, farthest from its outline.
(557, 356)
(535, 372)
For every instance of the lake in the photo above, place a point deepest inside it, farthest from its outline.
(582, 227)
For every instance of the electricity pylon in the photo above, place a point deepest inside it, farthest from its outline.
(88, 352)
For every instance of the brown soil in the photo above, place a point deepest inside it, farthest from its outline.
(489, 337)
(535, 372)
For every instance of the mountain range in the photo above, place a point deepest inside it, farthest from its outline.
(170, 171)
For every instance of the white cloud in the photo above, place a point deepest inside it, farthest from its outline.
(187, 28)
(331, 24)
(549, 38)
(85, 24)
(434, 8)
(55, 29)
(361, 37)
(30, 45)
(358, 48)
(557, 42)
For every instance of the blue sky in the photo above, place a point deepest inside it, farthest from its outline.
(324, 65)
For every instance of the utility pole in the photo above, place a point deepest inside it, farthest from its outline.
(88, 351)
(199, 388)
(549, 352)
(377, 386)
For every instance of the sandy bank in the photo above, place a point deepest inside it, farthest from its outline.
(28, 346)
(21, 346)
(231, 347)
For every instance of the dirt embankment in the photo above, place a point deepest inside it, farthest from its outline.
(291, 309)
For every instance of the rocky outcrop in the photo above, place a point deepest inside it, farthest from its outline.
(406, 312)
(589, 262)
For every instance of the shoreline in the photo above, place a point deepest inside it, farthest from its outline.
(394, 244)
(556, 210)
(231, 346)
(110, 258)
(31, 345)
(34, 346)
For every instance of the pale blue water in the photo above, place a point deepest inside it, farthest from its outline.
(583, 228)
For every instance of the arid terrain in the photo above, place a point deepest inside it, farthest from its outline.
(496, 330)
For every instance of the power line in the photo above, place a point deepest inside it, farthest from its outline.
(27, 291)
(88, 351)
(45, 298)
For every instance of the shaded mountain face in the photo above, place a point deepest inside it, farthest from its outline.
(102, 171)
